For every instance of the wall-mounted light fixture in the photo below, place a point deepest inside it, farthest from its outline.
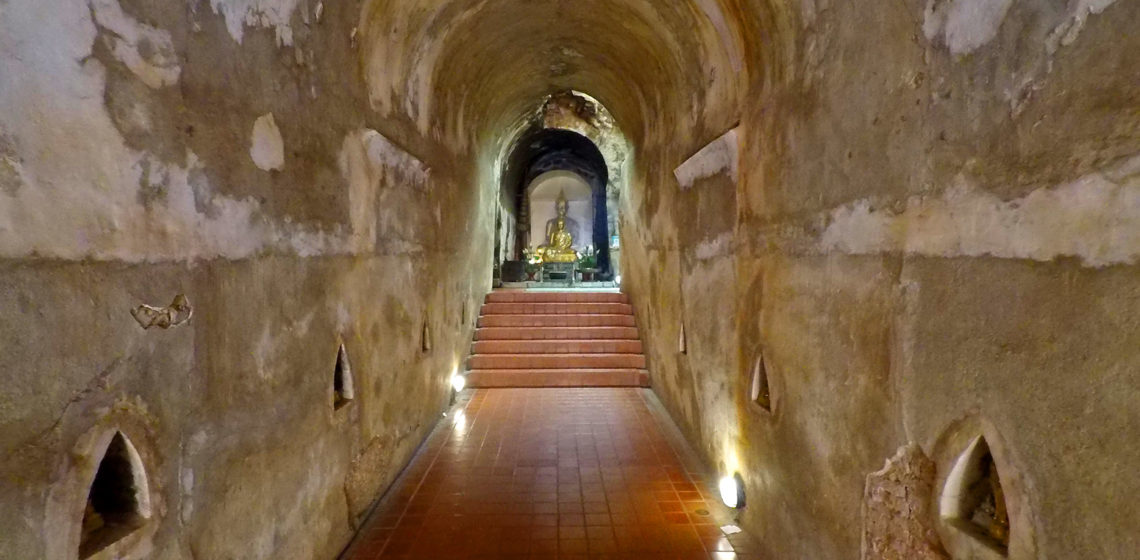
(732, 491)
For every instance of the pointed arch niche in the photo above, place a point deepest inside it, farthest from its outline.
(760, 390)
(118, 501)
(343, 386)
(981, 503)
(104, 506)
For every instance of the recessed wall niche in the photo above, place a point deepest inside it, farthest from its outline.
(682, 340)
(973, 502)
(425, 337)
(343, 392)
(760, 392)
(118, 501)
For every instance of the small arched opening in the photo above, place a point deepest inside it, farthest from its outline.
(343, 391)
(118, 502)
(760, 393)
(973, 499)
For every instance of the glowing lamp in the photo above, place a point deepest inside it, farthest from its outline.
(732, 491)
(458, 382)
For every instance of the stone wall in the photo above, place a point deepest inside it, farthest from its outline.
(918, 220)
(226, 151)
(931, 237)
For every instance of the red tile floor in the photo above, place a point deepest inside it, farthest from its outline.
(562, 473)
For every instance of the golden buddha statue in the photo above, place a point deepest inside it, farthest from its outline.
(559, 240)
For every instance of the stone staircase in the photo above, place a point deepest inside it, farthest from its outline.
(556, 339)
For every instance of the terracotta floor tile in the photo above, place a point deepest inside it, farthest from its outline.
(598, 519)
(551, 474)
(573, 546)
(693, 496)
(571, 520)
(717, 544)
(570, 507)
(595, 507)
(548, 547)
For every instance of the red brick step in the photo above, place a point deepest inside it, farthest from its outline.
(557, 308)
(555, 297)
(556, 333)
(558, 347)
(557, 339)
(555, 361)
(587, 320)
(488, 378)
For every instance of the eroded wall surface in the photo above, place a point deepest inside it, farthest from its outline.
(226, 151)
(930, 234)
(919, 219)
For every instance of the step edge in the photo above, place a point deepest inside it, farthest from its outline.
(559, 340)
(567, 370)
(556, 315)
(563, 354)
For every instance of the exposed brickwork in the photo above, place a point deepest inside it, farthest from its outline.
(896, 521)
(557, 339)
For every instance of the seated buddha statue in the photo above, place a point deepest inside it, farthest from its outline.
(559, 240)
(559, 247)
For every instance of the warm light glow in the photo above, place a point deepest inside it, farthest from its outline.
(458, 382)
(460, 422)
(729, 491)
(731, 457)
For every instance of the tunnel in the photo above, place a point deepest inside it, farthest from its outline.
(720, 279)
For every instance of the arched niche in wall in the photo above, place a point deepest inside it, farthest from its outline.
(542, 196)
(343, 385)
(682, 340)
(105, 506)
(425, 337)
(538, 150)
(760, 389)
(981, 505)
(118, 502)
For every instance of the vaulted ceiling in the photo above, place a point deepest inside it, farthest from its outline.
(465, 69)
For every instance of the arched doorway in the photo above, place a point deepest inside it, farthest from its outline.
(547, 162)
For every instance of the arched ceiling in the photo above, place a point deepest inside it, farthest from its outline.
(469, 70)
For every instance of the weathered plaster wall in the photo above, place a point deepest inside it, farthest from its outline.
(930, 235)
(224, 150)
(920, 215)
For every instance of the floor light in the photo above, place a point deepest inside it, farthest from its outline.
(732, 491)
(458, 382)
